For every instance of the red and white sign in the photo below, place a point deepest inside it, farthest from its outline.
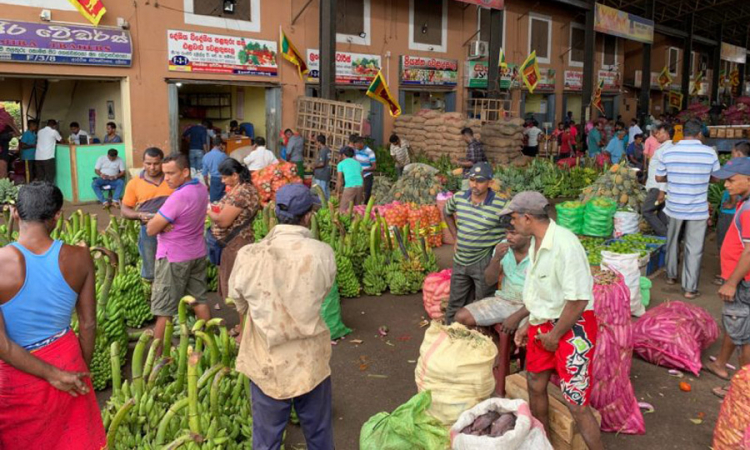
(573, 80)
(190, 51)
(494, 4)
(610, 79)
(351, 68)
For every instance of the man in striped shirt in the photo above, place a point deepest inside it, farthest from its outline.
(473, 218)
(686, 168)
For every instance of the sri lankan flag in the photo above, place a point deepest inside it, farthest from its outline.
(597, 100)
(675, 100)
(503, 64)
(290, 53)
(530, 72)
(379, 91)
(665, 80)
(697, 83)
(93, 10)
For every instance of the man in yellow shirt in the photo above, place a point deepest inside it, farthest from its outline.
(558, 299)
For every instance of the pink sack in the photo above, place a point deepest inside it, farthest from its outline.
(612, 393)
(436, 291)
(673, 335)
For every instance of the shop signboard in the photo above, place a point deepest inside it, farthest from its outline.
(477, 75)
(546, 80)
(426, 71)
(733, 53)
(610, 79)
(351, 68)
(196, 52)
(654, 81)
(64, 44)
(573, 80)
(494, 4)
(619, 23)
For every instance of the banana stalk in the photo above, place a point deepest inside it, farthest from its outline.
(150, 358)
(214, 393)
(137, 366)
(167, 348)
(178, 406)
(192, 382)
(112, 433)
(114, 355)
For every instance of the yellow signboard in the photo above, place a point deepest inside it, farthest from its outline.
(619, 23)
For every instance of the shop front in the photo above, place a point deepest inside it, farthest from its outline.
(91, 101)
(427, 83)
(244, 87)
(476, 80)
(572, 99)
(611, 82)
(541, 104)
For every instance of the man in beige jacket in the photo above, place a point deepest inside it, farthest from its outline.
(280, 284)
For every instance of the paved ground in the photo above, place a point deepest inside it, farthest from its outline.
(378, 374)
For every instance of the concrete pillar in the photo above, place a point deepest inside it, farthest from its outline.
(589, 44)
(687, 50)
(328, 49)
(493, 61)
(716, 65)
(644, 102)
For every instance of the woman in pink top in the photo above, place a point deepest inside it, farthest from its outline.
(650, 146)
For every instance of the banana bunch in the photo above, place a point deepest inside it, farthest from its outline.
(264, 222)
(346, 278)
(189, 396)
(79, 228)
(134, 294)
(212, 277)
(396, 279)
(374, 267)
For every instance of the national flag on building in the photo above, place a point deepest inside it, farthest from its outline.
(93, 10)
(379, 91)
(734, 77)
(530, 72)
(290, 53)
(665, 80)
(597, 100)
(697, 83)
(675, 99)
(503, 64)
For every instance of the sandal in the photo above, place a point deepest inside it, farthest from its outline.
(671, 281)
(720, 392)
(713, 372)
(718, 281)
(691, 295)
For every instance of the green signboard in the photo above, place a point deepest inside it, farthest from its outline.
(476, 75)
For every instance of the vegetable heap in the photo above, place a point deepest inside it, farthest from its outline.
(8, 192)
(419, 186)
(621, 184)
(544, 176)
(270, 179)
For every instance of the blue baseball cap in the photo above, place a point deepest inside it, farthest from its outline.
(294, 200)
(481, 171)
(735, 166)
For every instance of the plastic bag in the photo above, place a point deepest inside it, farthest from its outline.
(455, 363)
(528, 433)
(626, 222)
(612, 392)
(646, 291)
(570, 215)
(733, 425)
(599, 217)
(628, 266)
(435, 292)
(673, 335)
(331, 313)
(408, 427)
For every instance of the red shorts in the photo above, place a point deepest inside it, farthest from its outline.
(572, 360)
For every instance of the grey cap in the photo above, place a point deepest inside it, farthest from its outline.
(527, 202)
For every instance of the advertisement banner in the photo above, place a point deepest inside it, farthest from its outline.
(477, 75)
(546, 80)
(190, 51)
(494, 4)
(351, 68)
(573, 80)
(421, 71)
(610, 79)
(733, 53)
(64, 44)
(619, 23)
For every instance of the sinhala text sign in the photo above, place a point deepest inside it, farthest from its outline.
(190, 51)
(425, 71)
(619, 23)
(351, 68)
(64, 44)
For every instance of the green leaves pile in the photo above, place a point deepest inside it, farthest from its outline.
(544, 176)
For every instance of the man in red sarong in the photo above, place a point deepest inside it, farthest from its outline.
(46, 398)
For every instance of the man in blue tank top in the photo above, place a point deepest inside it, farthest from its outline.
(47, 398)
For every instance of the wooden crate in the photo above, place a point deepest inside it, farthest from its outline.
(564, 434)
(490, 109)
(335, 120)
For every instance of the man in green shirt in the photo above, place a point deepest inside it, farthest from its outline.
(473, 218)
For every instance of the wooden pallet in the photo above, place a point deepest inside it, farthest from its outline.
(334, 120)
(491, 109)
(564, 434)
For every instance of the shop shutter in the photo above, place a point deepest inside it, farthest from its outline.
(540, 30)
(242, 9)
(428, 22)
(610, 51)
(577, 38)
(350, 16)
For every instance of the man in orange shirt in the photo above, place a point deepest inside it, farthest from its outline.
(143, 197)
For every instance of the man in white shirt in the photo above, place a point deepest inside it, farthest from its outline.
(633, 131)
(44, 160)
(75, 134)
(110, 170)
(400, 153)
(532, 134)
(653, 205)
(261, 157)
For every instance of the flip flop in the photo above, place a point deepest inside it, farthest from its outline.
(720, 392)
(718, 281)
(691, 295)
(671, 281)
(710, 370)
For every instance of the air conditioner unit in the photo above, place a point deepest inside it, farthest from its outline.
(478, 49)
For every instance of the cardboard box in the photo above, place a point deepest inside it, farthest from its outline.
(721, 133)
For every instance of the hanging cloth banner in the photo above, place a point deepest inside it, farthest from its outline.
(665, 80)
(290, 53)
(503, 64)
(494, 4)
(93, 10)
(597, 100)
(675, 99)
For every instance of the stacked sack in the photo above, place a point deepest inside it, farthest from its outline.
(502, 141)
(434, 133)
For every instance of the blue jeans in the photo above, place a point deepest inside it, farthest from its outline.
(323, 185)
(147, 250)
(196, 158)
(314, 410)
(118, 185)
(216, 189)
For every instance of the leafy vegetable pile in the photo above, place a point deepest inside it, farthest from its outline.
(542, 175)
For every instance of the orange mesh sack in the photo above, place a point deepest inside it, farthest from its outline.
(732, 430)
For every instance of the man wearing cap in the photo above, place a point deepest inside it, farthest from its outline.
(558, 300)
(473, 218)
(735, 269)
(280, 284)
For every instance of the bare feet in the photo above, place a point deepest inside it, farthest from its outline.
(713, 368)
(720, 391)
(691, 295)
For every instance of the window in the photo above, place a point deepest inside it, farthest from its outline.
(353, 21)
(428, 25)
(484, 25)
(540, 37)
(210, 13)
(216, 8)
(577, 39)
(673, 56)
(609, 53)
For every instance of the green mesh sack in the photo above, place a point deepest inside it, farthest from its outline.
(570, 215)
(331, 312)
(599, 217)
